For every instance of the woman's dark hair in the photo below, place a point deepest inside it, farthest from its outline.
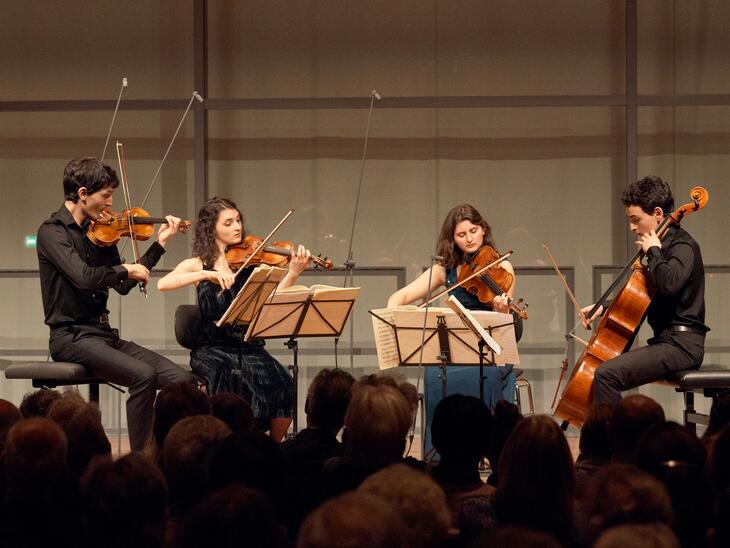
(204, 245)
(527, 495)
(446, 247)
(648, 193)
(87, 172)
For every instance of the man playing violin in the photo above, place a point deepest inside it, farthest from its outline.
(677, 310)
(267, 385)
(76, 276)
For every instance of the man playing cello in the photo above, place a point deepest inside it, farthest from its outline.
(677, 310)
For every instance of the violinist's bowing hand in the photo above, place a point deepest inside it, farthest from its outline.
(168, 230)
(650, 239)
(585, 320)
(223, 279)
(299, 260)
(500, 303)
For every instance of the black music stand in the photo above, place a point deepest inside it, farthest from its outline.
(295, 312)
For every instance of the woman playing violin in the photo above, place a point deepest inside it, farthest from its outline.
(463, 233)
(267, 384)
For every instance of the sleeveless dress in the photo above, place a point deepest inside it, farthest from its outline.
(499, 382)
(266, 384)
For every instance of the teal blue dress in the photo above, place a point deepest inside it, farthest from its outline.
(499, 382)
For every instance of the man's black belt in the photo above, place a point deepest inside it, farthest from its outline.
(104, 318)
(686, 329)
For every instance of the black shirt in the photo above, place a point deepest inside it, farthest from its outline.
(679, 278)
(76, 274)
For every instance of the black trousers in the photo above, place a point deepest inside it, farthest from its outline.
(668, 352)
(99, 348)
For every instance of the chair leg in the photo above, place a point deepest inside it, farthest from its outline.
(524, 383)
(689, 410)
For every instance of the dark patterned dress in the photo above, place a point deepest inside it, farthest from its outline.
(266, 384)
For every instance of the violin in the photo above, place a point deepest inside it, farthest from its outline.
(113, 226)
(619, 323)
(277, 254)
(492, 282)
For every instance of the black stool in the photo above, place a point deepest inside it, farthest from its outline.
(708, 380)
(54, 374)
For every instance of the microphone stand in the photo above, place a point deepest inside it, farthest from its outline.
(350, 263)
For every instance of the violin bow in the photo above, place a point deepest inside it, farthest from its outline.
(473, 275)
(125, 83)
(195, 97)
(128, 205)
(581, 316)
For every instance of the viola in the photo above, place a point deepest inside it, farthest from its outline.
(277, 254)
(619, 323)
(490, 283)
(113, 226)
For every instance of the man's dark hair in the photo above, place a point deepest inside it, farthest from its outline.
(595, 434)
(461, 428)
(175, 402)
(124, 502)
(648, 193)
(328, 398)
(233, 410)
(632, 416)
(37, 404)
(87, 172)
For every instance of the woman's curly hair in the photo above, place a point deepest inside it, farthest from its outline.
(204, 245)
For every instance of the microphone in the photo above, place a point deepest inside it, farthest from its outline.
(124, 82)
(377, 96)
(197, 96)
(438, 258)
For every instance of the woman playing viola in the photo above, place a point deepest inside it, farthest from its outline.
(266, 383)
(462, 235)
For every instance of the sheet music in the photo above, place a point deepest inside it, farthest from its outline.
(470, 321)
(385, 343)
(261, 282)
(396, 346)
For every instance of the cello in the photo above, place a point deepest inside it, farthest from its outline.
(619, 323)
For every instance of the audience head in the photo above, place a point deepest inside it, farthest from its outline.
(253, 459)
(81, 421)
(676, 457)
(595, 434)
(461, 428)
(352, 520)
(623, 494)
(188, 451)
(516, 537)
(124, 502)
(505, 418)
(719, 468)
(419, 501)
(377, 421)
(642, 535)
(230, 517)
(527, 495)
(233, 410)
(34, 456)
(328, 396)
(9, 415)
(632, 416)
(176, 402)
(37, 403)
